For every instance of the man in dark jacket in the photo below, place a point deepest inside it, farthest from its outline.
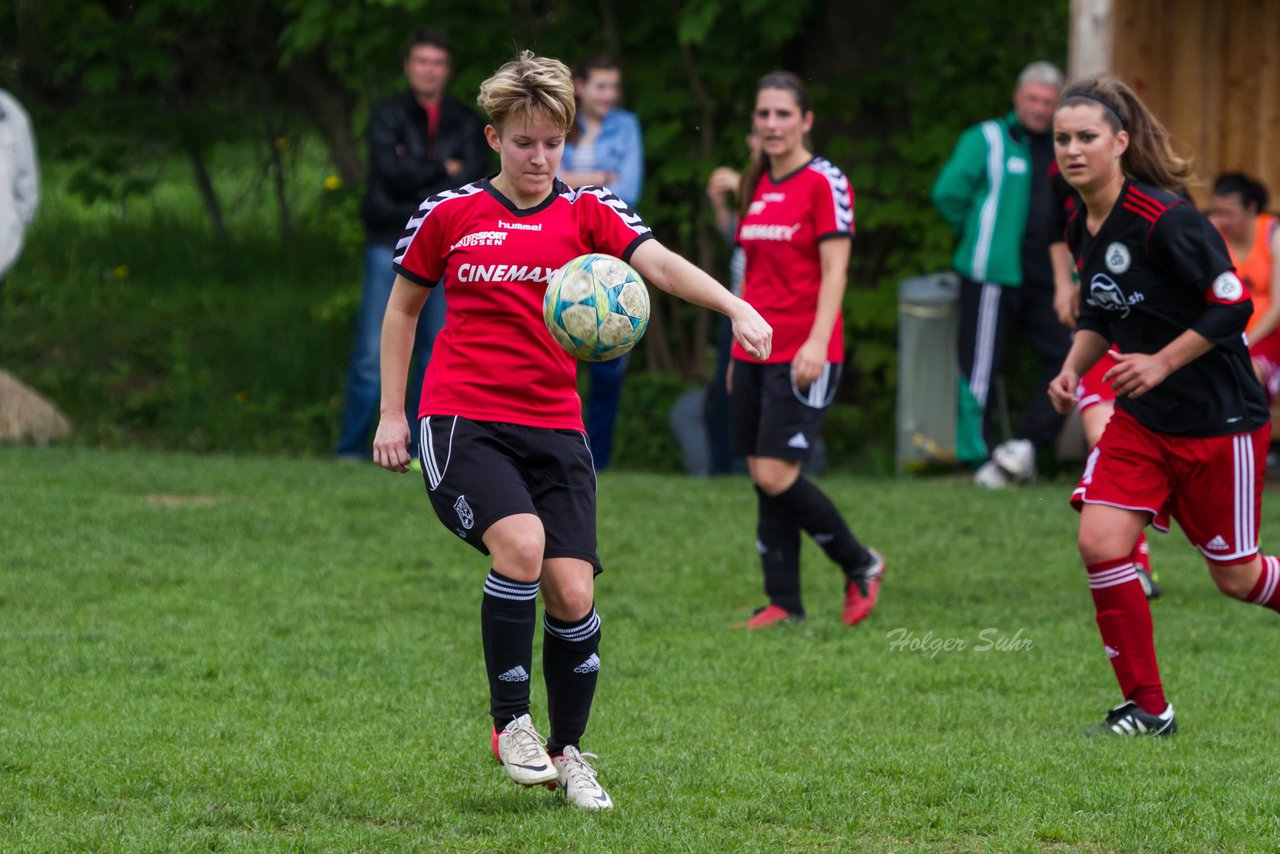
(421, 142)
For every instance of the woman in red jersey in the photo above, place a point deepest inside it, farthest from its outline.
(506, 463)
(795, 226)
(1190, 426)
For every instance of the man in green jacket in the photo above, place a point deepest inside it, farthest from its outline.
(995, 194)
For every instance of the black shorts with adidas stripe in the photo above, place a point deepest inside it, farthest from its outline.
(478, 472)
(773, 418)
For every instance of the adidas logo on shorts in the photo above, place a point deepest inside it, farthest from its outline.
(1217, 544)
(798, 441)
(591, 665)
(515, 674)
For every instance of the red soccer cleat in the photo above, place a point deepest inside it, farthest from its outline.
(857, 606)
(768, 616)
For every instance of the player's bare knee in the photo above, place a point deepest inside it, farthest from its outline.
(568, 598)
(1099, 546)
(1234, 580)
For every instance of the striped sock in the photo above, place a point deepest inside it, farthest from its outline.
(508, 615)
(1267, 591)
(570, 665)
(1124, 619)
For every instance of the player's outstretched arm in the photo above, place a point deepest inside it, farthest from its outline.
(668, 271)
(399, 325)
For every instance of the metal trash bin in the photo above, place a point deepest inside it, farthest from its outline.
(928, 323)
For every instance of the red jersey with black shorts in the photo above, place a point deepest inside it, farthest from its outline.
(787, 218)
(1191, 447)
(495, 360)
(500, 419)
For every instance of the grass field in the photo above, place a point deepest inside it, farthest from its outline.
(217, 653)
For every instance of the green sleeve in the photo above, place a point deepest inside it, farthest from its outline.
(956, 188)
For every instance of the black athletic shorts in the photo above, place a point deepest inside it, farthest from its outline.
(773, 418)
(478, 472)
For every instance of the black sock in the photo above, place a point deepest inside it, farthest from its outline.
(570, 665)
(812, 510)
(778, 541)
(507, 617)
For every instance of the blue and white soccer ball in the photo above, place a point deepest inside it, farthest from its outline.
(596, 307)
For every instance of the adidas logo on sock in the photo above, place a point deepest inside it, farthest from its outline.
(1217, 544)
(798, 441)
(591, 665)
(515, 674)
(823, 539)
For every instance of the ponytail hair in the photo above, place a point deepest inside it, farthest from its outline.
(1252, 193)
(787, 82)
(1150, 157)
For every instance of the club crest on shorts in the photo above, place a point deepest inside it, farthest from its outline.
(463, 509)
(1118, 258)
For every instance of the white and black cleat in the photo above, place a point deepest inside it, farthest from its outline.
(1130, 719)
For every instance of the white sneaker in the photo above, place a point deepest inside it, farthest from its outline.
(1017, 457)
(578, 779)
(521, 751)
(991, 476)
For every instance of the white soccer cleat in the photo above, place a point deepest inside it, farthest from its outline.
(991, 476)
(522, 753)
(578, 779)
(1017, 457)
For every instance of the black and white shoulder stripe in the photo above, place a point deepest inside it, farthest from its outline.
(841, 195)
(610, 200)
(428, 205)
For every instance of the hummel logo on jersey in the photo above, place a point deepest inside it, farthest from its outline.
(798, 441)
(520, 226)
(591, 665)
(463, 509)
(515, 674)
(480, 238)
(1217, 544)
(1112, 652)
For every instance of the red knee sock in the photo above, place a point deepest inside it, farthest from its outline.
(1267, 591)
(1141, 554)
(1124, 618)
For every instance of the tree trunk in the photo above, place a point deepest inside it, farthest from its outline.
(204, 183)
(329, 106)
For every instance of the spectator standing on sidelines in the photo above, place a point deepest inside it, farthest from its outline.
(994, 192)
(420, 142)
(19, 179)
(1190, 429)
(604, 148)
(504, 458)
(1239, 210)
(795, 223)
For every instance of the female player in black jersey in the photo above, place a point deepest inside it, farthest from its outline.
(1189, 434)
(795, 226)
(504, 457)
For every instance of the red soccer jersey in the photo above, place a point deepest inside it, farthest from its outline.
(787, 219)
(495, 359)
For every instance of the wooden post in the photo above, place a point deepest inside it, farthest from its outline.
(1091, 37)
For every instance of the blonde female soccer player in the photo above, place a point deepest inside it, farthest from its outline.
(506, 464)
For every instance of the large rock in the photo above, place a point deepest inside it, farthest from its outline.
(25, 416)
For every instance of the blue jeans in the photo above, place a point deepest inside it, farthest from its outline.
(364, 378)
(604, 399)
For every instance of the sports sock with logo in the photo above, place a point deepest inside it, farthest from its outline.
(813, 511)
(570, 665)
(778, 541)
(508, 615)
(1124, 619)
(1266, 592)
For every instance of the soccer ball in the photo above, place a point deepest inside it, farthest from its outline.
(596, 307)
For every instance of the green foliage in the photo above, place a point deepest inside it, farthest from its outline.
(242, 654)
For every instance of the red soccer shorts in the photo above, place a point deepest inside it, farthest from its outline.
(1211, 485)
(1092, 390)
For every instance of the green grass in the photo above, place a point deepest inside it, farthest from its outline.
(220, 653)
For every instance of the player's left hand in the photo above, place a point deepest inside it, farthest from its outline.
(751, 330)
(1135, 374)
(808, 363)
(391, 444)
